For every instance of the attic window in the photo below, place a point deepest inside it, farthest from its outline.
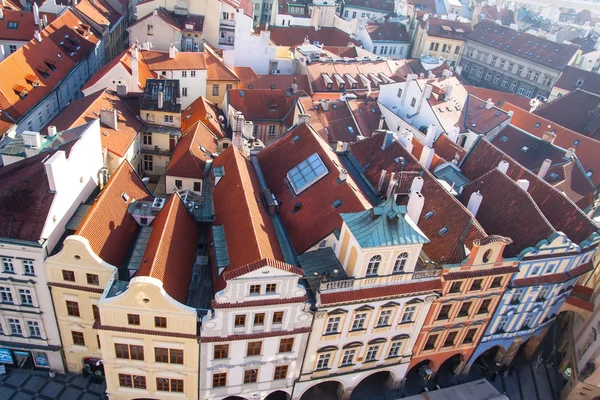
(576, 142)
(553, 176)
(13, 25)
(429, 214)
(296, 138)
(524, 148)
(50, 64)
(309, 171)
(589, 174)
(334, 106)
(249, 86)
(537, 125)
(503, 139)
(336, 203)
(272, 86)
(443, 231)
(579, 82)
(351, 130)
(125, 196)
(241, 93)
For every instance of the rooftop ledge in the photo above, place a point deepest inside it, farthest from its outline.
(371, 281)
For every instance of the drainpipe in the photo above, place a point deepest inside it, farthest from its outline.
(62, 350)
(312, 309)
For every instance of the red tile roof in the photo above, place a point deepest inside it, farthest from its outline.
(216, 68)
(317, 217)
(446, 28)
(448, 150)
(448, 212)
(171, 249)
(231, 273)
(108, 226)
(25, 28)
(577, 302)
(366, 114)
(450, 276)
(295, 35)
(499, 98)
(88, 108)
(495, 13)
(264, 104)
(176, 21)
(334, 125)
(535, 49)
(577, 110)
(590, 81)
(184, 60)
(381, 5)
(250, 80)
(206, 112)
(99, 11)
(341, 51)
(388, 31)
(249, 231)
(189, 159)
(317, 69)
(380, 292)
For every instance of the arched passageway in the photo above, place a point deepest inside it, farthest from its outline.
(488, 361)
(449, 369)
(323, 391)
(419, 376)
(278, 395)
(234, 398)
(373, 386)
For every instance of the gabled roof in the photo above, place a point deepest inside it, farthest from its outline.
(530, 47)
(193, 151)
(177, 22)
(25, 25)
(216, 70)
(448, 150)
(446, 28)
(99, 11)
(249, 231)
(171, 249)
(495, 13)
(295, 35)
(206, 112)
(264, 104)
(354, 74)
(388, 32)
(108, 226)
(88, 108)
(335, 124)
(498, 97)
(574, 78)
(341, 51)
(366, 114)
(586, 149)
(380, 5)
(577, 110)
(312, 214)
(184, 60)
(250, 80)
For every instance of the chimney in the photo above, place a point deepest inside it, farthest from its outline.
(448, 91)
(45, 19)
(503, 166)
(55, 170)
(458, 70)
(416, 201)
(294, 87)
(426, 157)
(304, 119)
(391, 183)
(146, 46)
(237, 134)
(430, 135)
(409, 79)
(160, 100)
(416, 185)
(109, 118)
(453, 133)
(36, 14)
(1, 13)
(474, 202)
(172, 51)
(37, 35)
(489, 104)
(343, 175)
(548, 135)
(523, 183)
(544, 168)
(381, 121)
(381, 179)
(52, 131)
(135, 76)
(570, 153)
(424, 96)
(32, 139)
(325, 104)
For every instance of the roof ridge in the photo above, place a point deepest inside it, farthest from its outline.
(159, 249)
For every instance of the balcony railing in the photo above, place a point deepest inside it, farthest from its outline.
(357, 283)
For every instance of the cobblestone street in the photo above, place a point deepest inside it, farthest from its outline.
(24, 385)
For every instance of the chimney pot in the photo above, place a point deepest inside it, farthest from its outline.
(343, 175)
(109, 118)
(160, 100)
(381, 121)
(549, 136)
(474, 202)
(544, 168)
(503, 166)
(37, 35)
(523, 183)
(570, 153)
(52, 131)
(415, 205)
(417, 185)
(36, 14)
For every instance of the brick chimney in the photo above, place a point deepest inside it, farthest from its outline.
(549, 135)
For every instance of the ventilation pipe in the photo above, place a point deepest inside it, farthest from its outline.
(474, 202)
(503, 166)
(544, 168)
(160, 100)
(416, 202)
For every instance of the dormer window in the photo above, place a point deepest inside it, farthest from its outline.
(51, 64)
(400, 262)
(579, 83)
(373, 265)
(13, 25)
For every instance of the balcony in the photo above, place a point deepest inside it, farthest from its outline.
(225, 23)
(156, 151)
(360, 283)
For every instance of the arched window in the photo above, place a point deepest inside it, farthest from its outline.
(373, 266)
(487, 256)
(400, 262)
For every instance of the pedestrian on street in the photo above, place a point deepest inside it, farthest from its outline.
(493, 378)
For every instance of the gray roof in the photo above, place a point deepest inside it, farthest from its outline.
(220, 246)
(384, 225)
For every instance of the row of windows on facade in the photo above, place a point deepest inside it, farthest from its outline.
(375, 262)
(389, 50)
(162, 384)
(69, 276)
(446, 48)
(8, 266)
(518, 294)
(167, 119)
(250, 376)
(15, 328)
(221, 351)
(522, 91)
(450, 340)
(259, 319)
(25, 297)
(349, 356)
(464, 310)
(271, 130)
(363, 15)
(505, 320)
(493, 60)
(360, 320)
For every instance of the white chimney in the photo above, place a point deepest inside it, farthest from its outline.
(109, 118)
(489, 104)
(37, 35)
(424, 96)
(294, 87)
(160, 100)
(381, 121)
(544, 169)
(36, 14)
(453, 133)
(343, 175)
(416, 201)
(430, 135)
(390, 184)
(448, 91)
(426, 157)
(304, 119)
(55, 171)
(325, 104)
(474, 202)
(409, 79)
(45, 19)
(134, 85)
(146, 46)
(416, 185)
(172, 51)
(523, 183)
(52, 131)
(32, 139)
(503, 166)
(458, 70)
(1, 13)
(381, 180)
(2, 53)
(570, 153)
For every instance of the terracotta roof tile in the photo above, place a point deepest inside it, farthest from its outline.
(341, 51)
(499, 98)
(367, 115)
(381, 5)
(479, 273)
(446, 28)
(571, 76)
(448, 150)
(184, 60)
(206, 112)
(216, 70)
(188, 159)
(86, 109)
(99, 11)
(25, 28)
(389, 32)
(389, 291)
(577, 110)
(108, 226)
(317, 216)
(495, 13)
(171, 249)
(317, 69)
(295, 35)
(334, 125)
(264, 104)
(250, 80)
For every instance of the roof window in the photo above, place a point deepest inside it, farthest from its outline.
(443, 231)
(351, 130)
(13, 25)
(296, 138)
(429, 214)
(537, 125)
(337, 203)
(579, 82)
(589, 174)
(503, 139)
(553, 176)
(576, 142)
(524, 148)
(305, 174)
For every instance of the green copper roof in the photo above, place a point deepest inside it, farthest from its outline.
(220, 246)
(383, 225)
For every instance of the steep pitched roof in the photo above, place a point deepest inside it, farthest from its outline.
(108, 226)
(206, 112)
(347, 70)
(446, 28)
(318, 214)
(495, 13)
(250, 80)
(335, 124)
(388, 31)
(577, 110)
(184, 60)
(99, 11)
(193, 150)
(295, 35)
(88, 108)
(25, 25)
(216, 70)
(264, 104)
(171, 249)
(499, 98)
(574, 78)
(366, 113)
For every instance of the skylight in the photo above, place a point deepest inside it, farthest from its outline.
(524, 148)
(309, 171)
(576, 142)
(553, 176)
(503, 138)
(429, 214)
(443, 231)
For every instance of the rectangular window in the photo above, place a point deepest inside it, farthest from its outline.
(176, 385)
(160, 354)
(323, 362)
(136, 352)
(6, 295)
(286, 345)
(496, 282)
(12, 48)
(93, 279)
(160, 322)
(68, 276)
(409, 314)
(175, 356)
(147, 138)
(413, 102)
(25, 296)
(254, 289)
(34, 329)
(254, 349)
(28, 267)
(517, 296)
(197, 186)
(359, 321)
(125, 380)
(502, 324)
(15, 327)
(455, 287)
(162, 385)
(178, 183)
(132, 381)
(168, 119)
(193, 74)
(464, 309)
(348, 357)
(278, 317)
(543, 295)
(8, 265)
(271, 288)
(250, 375)
(280, 372)
(333, 325)
(449, 342)
(395, 349)
(240, 320)
(220, 380)
(184, 92)
(259, 319)
(457, 50)
(272, 130)
(430, 344)
(400, 93)
(215, 90)
(121, 351)
(229, 86)
(476, 285)
(484, 308)
(78, 338)
(384, 318)
(184, 74)
(527, 322)
(95, 311)
(73, 308)
(372, 353)
(469, 336)
(444, 312)
(221, 351)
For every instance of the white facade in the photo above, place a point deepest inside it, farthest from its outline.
(183, 183)
(351, 13)
(192, 83)
(156, 31)
(383, 48)
(278, 331)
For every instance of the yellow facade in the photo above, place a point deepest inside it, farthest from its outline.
(146, 357)
(161, 118)
(437, 46)
(76, 275)
(216, 90)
